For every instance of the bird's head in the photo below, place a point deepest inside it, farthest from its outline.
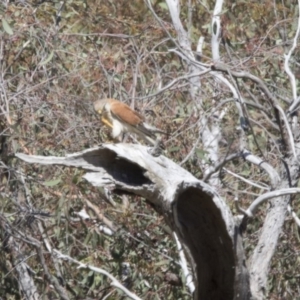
(99, 105)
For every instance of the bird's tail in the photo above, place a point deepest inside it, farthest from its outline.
(153, 129)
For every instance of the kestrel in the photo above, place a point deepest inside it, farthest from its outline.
(121, 118)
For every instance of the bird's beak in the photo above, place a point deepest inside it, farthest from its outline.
(99, 112)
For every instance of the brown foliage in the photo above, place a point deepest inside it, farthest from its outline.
(53, 68)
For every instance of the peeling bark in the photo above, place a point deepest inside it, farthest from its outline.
(192, 208)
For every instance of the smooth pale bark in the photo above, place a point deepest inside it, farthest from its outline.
(261, 259)
(198, 215)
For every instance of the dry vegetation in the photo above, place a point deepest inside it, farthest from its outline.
(53, 67)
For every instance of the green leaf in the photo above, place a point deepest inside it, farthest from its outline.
(47, 59)
(52, 182)
(245, 172)
(174, 149)
(202, 154)
(162, 262)
(163, 5)
(88, 238)
(6, 27)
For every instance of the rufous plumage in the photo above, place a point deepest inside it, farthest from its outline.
(121, 118)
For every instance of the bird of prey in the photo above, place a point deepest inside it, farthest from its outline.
(121, 118)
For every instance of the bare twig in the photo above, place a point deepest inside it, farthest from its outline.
(250, 182)
(100, 215)
(114, 281)
(221, 164)
(184, 265)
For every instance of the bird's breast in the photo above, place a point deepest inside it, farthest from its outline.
(118, 128)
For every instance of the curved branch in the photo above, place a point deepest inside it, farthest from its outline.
(274, 176)
(261, 199)
(200, 218)
(288, 128)
(222, 67)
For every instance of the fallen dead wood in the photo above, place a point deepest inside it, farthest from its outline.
(195, 212)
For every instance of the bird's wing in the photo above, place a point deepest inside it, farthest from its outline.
(125, 114)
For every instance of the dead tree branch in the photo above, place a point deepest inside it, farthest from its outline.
(198, 215)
